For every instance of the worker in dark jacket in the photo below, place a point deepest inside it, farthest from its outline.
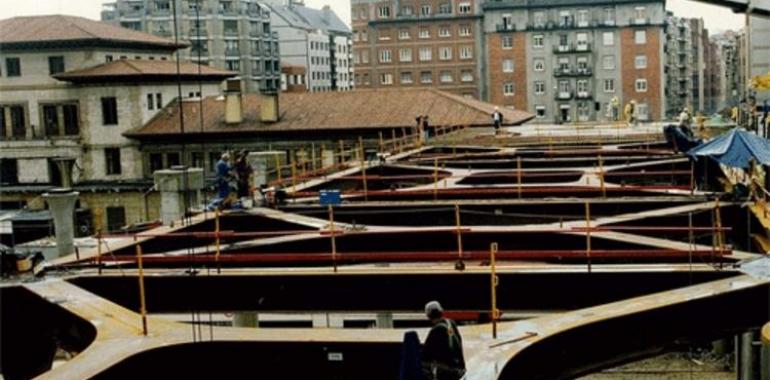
(442, 353)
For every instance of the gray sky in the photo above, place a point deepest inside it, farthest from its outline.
(716, 18)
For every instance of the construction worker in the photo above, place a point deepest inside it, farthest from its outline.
(628, 112)
(734, 114)
(684, 118)
(700, 122)
(497, 119)
(615, 108)
(442, 354)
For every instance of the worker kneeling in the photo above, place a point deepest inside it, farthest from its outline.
(442, 354)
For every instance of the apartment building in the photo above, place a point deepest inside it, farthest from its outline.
(731, 84)
(570, 61)
(316, 39)
(757, 53)
(234, 35)
(409, 43)
(67, 98)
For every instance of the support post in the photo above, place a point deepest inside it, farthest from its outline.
(363, 166)
(518, 175)
(435, 179)
(601, 177)
(460, 265)
(495, 314)
(293, 173)
(216, 240)
(142, 300)
(382, 143)
(692, 177)
(99, 250)
(342, 152)
(393, 140)
(278, 169)
(333, 237)
(588, 235)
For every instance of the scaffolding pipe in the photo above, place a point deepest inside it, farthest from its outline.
(333, 237)
(493, 285)
(588, 236)
(142, 299)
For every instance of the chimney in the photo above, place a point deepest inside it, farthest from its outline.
(268, 107)
(233, 105)
(61, 202)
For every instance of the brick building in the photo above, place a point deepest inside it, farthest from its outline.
(567, 62)
(410, 43)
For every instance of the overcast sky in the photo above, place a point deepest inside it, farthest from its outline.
(716, 18)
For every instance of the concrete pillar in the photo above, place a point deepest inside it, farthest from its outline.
(261, 163)
(384, 320)
(765, 361)
(174, 187)
(65, 169)
(246, 319)
(327, 159)
(61, 202)
(745, 356)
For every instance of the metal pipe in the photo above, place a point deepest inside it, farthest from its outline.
(142, 300)
(494, 315)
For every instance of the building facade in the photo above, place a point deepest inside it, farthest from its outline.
(573, 61)
(66, 102)
(316, 39)
(234, 35)
(408, 43)
(731, 84)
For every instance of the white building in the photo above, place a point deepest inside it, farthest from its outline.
(70, 88)
(316, 39)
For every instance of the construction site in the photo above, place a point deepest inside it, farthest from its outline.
(561, 251)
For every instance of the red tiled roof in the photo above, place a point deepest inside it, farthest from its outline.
(360, 109)
(136, 69)
(64, 29)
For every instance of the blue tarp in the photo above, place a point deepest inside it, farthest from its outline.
(735, 148)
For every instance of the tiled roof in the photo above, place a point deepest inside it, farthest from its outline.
(300, 16)
(360, 109)
(56, 30)
(137, 69)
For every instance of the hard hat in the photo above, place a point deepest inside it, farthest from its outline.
(433, 309)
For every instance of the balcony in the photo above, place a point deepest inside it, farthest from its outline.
(232, 52)
(639, 21)
(228, 12)
(196, 12)
(198, 33)
(231, 32)
(564, 95)
(570, 72)
(255, 33)
(505, 27)
(571, 48)
(584, 95)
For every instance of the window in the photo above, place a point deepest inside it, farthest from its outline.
(112, 161)
(383, 34)
(159, 100)
(564, 64)
(537, 41)
(540, 112)
(539, 88)
(426, 54)
(150, 102)
(466, 76)
(386, 79)
(608, 38)
(444, 53)
(640, 37)
(407, 10)
(539, 64)
(608, 62)
(230, 26)
(609, 85)
(384, 11)
(426, 77)
(425, 10)
(13, 67)
(55, 64)
(406, 77)
(641, 85)
(384, 55)
(116, 217)
(233, 65)
(172, 159)
(403, 34)
(18, 121)
(466, 52)
(640, 15)
(110, 111)
(71, 119)
(582, 18)
(507, 41)
(582, 86)
(582, 63)
(446, 77)
(50, 120)
(9, 171)
(508, 89)
(444, 32)
(640, 62)
(445, 9)
(365, 56)
(464, 8)
(643, 111)
(405, 55)
(609, 16)
(539, 19)
(464, 31)
(582, 41)
(364, 36)
(507, 65)
(108, 58)
(563, 41)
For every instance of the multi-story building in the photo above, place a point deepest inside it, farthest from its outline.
(316, 39)
(67, 99)
(757, 53)
(234, 35)
(573, 59)
(731, 85)
(678, 66)
(713, 77)
(410, 43)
